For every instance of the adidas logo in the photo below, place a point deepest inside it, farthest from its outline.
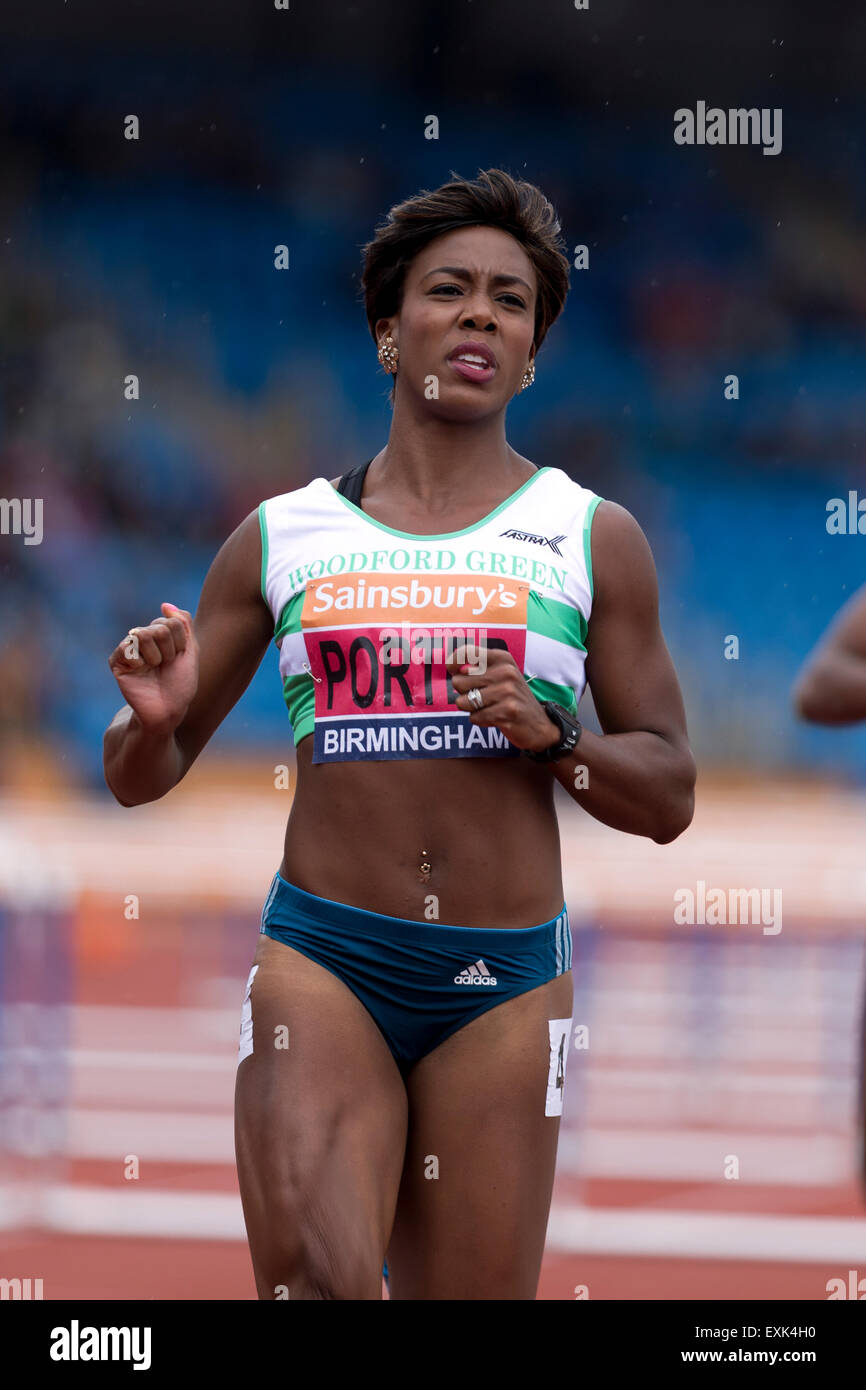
(476, 974)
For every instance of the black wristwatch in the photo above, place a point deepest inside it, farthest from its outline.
(569, 733)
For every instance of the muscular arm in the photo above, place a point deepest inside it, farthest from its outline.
(640, 772)
(831, 686)
(232, 627)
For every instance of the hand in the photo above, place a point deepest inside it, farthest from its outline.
(156, 668)
(509, 704)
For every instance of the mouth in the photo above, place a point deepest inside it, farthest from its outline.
(473, 361)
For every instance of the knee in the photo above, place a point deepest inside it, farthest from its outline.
(306, 1260)
(280, 1263)
(343, 1273)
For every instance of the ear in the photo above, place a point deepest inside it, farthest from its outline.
(383, 326)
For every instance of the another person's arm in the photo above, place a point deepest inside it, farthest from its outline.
(189, 674)
(831, 685)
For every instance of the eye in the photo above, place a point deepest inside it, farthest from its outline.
(514, 298)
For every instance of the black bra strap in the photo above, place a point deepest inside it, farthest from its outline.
(351, 485)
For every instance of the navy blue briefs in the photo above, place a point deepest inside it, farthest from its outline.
(420, 981)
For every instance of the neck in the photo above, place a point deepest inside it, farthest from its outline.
(434, 460)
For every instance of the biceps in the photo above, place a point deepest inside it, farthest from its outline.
(233, 627)
(229, 656)
(632, 677)
(231, 646)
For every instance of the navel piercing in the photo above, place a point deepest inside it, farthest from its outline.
(424, 873)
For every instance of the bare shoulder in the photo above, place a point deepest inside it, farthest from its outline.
(247, 535)
(236, 568)
(614, 524)
(622, 561)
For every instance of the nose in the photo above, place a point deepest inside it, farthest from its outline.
(477, 314)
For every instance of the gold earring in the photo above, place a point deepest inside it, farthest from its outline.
(389, 354)
(528, 376)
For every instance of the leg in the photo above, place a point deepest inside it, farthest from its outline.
(320, 1132)
(477, 1103)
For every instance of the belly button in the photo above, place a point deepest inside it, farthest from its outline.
(424, 867)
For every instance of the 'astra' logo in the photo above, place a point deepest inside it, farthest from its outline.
(535, 540)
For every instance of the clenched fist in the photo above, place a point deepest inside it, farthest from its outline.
(156, 668)
(506, 700)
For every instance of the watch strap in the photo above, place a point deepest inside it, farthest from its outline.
(570, 730)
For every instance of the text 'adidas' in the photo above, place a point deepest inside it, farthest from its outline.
(476, 974)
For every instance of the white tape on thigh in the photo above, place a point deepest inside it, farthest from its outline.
(559, 1030)
(245, 1046)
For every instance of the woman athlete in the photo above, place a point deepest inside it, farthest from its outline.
(408, 1013)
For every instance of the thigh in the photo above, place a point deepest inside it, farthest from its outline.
(320, 1130)
(474, 1200)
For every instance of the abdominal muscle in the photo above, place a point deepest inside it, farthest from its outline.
(359, 833)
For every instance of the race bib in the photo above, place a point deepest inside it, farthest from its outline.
(377, 646)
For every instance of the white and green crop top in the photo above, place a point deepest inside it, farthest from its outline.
(365, 617)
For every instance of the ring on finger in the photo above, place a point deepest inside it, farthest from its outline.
(475, 697)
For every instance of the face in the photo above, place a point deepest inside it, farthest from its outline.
(472, 293)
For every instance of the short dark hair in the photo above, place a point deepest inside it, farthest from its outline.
(494, 199)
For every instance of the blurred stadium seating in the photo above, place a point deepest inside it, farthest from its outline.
(253, 381)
